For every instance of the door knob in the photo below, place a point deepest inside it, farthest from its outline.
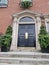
(26, 35)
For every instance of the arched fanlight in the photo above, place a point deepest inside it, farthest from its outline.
(26, 19)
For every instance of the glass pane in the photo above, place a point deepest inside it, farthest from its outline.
(3, 3)
(26, 19)
(48, 27)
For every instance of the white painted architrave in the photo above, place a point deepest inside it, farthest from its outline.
(38, 25)
(46, 21)
(37, 22)
(14, 35)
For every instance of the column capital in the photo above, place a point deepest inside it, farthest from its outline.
(15, 19)
(46, 19)
(38, 19)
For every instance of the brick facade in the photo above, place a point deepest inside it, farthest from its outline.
(39, 6)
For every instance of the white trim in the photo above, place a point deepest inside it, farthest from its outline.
(26, 22)
(26, 11)
(46, 21)
(14, 36)
(37, 23)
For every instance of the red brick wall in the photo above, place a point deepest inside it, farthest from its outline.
(40, 6)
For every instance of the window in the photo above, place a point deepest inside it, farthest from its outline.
(3, 3)
(26, 19)
(48, 27)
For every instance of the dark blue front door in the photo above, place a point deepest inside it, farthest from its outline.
(31, 40)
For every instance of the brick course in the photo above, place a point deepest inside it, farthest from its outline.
(39, 6)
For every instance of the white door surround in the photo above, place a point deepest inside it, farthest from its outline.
(15, 25)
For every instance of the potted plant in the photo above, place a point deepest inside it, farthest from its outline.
(5, 40)
(44, 39)
(25, 3)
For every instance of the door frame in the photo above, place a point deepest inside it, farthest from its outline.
(33, 22)
(15, 26)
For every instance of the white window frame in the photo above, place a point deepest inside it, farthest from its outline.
(46, 21)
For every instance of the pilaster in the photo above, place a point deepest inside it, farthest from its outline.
(38, 25)
(14, 35)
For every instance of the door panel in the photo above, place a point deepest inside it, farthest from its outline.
(31, 41)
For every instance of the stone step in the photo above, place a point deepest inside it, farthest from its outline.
(24, 60)
(21, 64)
(14, 64)
(24, 54)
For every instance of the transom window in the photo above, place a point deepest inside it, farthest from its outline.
(3, 3)
(26, 19)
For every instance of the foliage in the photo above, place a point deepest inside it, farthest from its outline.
(0, 40)
(43, 30)
(26, 4)
(9, 30)
(43, 38)
(6, 39)
(44, 41)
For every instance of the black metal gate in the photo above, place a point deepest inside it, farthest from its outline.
(26, 35)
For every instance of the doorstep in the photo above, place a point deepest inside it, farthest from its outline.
(26, 49)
